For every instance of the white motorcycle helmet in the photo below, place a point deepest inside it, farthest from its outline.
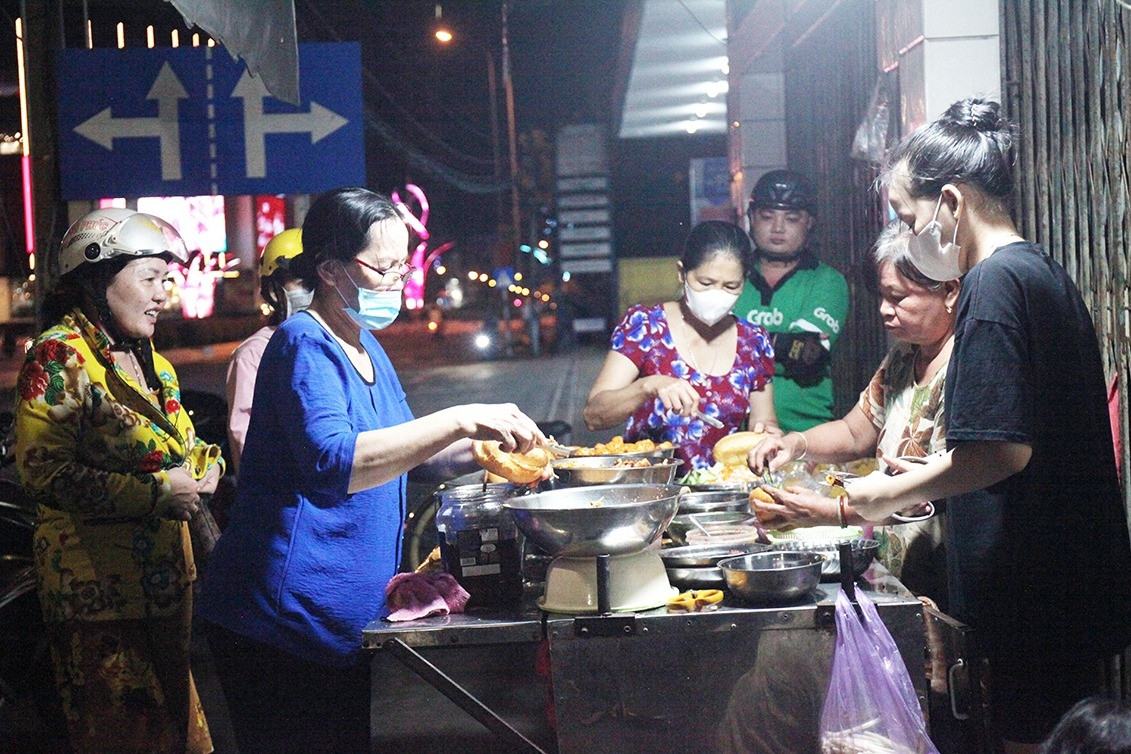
(112, 232)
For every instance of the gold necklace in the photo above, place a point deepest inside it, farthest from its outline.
(133, 366)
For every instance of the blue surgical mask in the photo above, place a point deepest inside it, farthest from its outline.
(376, 310)
(298, 300)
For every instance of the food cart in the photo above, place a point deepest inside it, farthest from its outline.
(742, 677)
(646, 681)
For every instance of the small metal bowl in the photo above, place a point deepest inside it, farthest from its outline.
(715, 501)
(772, 577)
(681, 524)
(696, 577)
(863, 552)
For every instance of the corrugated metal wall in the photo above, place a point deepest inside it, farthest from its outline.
(830, 70)
(1065, 69)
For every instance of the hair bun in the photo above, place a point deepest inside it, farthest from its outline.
(979, 114)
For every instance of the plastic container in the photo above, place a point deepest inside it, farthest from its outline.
(479, 543)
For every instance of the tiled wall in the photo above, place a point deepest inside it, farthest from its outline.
(944, 50)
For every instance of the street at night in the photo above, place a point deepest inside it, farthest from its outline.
(847, 280)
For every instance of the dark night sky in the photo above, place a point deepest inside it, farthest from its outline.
(434, 99)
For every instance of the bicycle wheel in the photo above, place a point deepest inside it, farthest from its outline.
(420, 536)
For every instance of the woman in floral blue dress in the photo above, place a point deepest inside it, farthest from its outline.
(672, 363)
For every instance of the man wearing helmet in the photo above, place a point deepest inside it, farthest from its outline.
(114, 465)
(285, 294)
(800, 300)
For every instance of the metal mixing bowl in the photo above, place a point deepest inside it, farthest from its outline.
(573, 472)
(446, 493)
(657, 454)
(863, 551)
(681, 524)
(768, 577)
(611, 519)
(708, 555)
(715, 501)
(696, 577)
(733, 488)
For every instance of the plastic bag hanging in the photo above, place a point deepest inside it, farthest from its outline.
(871, 706)
(870, 141)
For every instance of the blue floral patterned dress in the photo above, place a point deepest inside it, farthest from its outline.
(645, 338)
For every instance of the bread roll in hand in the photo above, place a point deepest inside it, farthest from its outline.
(520, 468)
(733, 449)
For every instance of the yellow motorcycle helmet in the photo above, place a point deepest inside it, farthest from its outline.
(285, 246)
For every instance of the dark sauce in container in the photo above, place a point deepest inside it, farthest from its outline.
(479, 543)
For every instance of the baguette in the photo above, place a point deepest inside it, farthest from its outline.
(733, 449)
(520, 468)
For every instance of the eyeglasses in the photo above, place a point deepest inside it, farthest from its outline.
(398, 272)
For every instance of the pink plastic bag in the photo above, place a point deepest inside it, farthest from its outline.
(871, 706)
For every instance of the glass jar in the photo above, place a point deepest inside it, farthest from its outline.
(479, 543)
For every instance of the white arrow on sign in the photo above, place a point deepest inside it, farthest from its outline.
(319, 123)
(103, 128)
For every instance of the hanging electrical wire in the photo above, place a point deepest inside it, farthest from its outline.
(416, 159)
(703, 26)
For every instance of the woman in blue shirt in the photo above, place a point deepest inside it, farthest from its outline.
(314, 535)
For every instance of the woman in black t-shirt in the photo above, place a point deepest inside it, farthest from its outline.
(1030, 456)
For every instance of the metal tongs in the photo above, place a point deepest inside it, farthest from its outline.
(709, 420)
(563, 451)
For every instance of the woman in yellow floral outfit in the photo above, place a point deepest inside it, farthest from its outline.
(112, 460)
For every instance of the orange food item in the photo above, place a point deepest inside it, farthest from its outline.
(760, 495)
(695, 601)
(520, 468)
(617, 445)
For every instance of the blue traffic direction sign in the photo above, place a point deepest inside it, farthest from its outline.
(191, 120)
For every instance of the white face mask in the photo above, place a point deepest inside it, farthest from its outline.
(930, 256)
(298, 300)
(709, 306)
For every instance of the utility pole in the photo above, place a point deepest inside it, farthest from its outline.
(508, 88)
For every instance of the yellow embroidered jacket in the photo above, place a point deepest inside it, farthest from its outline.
(92, 449)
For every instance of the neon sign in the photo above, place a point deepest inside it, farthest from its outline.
(420, 258)
(195, 283)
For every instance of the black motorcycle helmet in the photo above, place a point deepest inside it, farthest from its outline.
(783, 189)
